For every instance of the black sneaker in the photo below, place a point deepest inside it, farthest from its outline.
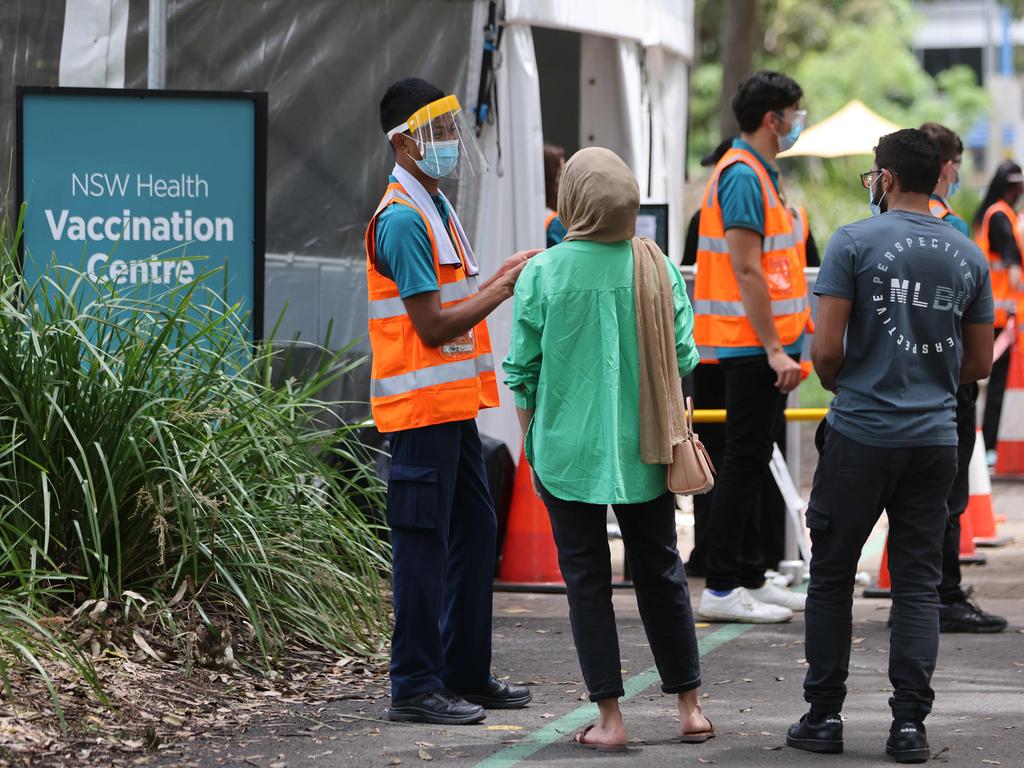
(965, 616)
(440, 706)
(907, 742)
(501, 695)
(825, 737)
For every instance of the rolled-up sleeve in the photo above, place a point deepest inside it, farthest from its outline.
(522, 366)
(686, 349)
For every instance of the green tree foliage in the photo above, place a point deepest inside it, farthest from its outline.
(838, 50)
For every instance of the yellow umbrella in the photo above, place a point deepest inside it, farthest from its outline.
(853, 130)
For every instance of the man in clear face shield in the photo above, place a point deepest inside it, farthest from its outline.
(431, 373)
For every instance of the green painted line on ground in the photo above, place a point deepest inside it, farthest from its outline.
(556, 729)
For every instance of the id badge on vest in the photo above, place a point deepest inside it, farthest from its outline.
(459, 347)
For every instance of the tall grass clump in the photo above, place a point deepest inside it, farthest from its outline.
(146, 448)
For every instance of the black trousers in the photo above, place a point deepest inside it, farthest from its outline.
(966, 419)
(649, 534)
(755, 413)
(708, 391)
(443, 532)
(994, 399)
(852, 485)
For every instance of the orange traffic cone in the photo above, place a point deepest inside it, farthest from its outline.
(529, 556)
(883, 586)
(1010, 445)
(979, 506)
(969, 555)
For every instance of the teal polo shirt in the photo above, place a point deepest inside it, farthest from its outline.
(404, 253)
(739, 195)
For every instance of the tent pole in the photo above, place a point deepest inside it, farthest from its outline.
(157, 73)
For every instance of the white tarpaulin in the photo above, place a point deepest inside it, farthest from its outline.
(92, 51)
(633, 64)
(652, 23)
(853, 130)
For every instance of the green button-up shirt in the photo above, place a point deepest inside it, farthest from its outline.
(574, 360)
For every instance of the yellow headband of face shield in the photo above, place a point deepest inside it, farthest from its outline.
(448, 105)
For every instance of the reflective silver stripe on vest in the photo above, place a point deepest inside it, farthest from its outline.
(712, 244)
(771, 243)
(780, 307)
(798, 229)
(778, 242)
(395, 307)
(1007, 304)
(445, 373)
(707, 354)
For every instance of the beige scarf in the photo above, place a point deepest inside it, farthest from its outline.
(598, 200)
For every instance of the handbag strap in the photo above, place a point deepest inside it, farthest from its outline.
(688, 413)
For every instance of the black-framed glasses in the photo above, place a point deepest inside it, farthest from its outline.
(870, 177)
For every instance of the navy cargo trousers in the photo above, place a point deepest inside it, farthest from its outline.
(443, 534)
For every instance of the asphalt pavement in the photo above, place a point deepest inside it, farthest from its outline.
(752, 691)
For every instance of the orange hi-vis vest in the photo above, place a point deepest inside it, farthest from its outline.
(939, 208)
(411, 384)
(720, 319)
(1002, 292)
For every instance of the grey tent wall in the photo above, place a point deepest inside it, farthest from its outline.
(325, 65)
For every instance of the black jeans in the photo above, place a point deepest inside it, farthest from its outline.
(966, 418)
(755, 412)
(852, 485)
(649, 533)
(994, 399)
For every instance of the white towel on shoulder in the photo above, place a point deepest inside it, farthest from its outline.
(445, 249)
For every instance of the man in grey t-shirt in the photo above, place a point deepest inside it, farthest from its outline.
(904, 316)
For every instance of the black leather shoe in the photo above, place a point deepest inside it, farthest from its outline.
(965, 616)
(907, 742)
(501, 695)
(825, 737)
(440, 706)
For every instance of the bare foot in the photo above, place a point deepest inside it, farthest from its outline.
(604, 734)
(694, 722)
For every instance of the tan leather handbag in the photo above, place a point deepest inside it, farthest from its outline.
(691, 471)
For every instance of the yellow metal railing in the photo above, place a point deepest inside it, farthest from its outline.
(717, 415)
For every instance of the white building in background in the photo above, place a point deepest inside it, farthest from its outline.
(982, 35)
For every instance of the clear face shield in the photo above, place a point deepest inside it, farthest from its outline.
(445, 139)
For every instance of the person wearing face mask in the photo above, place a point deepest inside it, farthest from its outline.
(904, 316)
(998, 235)
(431, 373)
(956, 612)
(751, 311)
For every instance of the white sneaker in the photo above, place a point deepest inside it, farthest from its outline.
(739, 605)
(775, 595)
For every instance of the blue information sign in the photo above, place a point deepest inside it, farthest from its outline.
(146, 190)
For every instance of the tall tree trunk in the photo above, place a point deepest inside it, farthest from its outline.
(741, 39)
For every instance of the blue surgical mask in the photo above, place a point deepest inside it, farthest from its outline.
(876, 207)
(439, 158)
(789, 139)
(954, 186)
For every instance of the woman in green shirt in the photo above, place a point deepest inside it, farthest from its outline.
(589, 414)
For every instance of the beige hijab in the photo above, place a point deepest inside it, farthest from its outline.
(598, 199)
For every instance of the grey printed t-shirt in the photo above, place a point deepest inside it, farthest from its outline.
(913, 280)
